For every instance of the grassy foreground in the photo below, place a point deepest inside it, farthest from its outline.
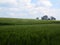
(29, 32)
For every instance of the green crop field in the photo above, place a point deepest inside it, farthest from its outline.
(29, 32)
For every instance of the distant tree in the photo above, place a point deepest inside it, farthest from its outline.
(37, 18)
(48, 18)
(53, 18)
(44, 17)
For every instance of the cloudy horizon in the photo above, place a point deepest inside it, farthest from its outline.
(29, 8)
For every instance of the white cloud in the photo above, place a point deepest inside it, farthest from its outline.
(9, 1)
(27, 9)
(46, 3)
(6, 1)
(13, 9)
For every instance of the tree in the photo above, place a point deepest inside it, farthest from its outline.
(37, 18)
(48, 18)
(44, 17)
(53, 18)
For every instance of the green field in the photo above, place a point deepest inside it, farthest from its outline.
(29, 32)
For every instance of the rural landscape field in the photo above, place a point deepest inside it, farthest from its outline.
(15, 31)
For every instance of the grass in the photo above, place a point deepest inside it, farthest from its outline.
(29, 32)
(14, 21)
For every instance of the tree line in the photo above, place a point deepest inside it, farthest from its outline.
(45, 17)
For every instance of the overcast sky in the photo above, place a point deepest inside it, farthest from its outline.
(29, 8)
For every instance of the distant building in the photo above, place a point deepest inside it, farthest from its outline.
(44, 17)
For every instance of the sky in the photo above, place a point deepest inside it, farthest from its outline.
(29, 8)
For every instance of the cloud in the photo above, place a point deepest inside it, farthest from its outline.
(46, 2)
(27, 8)
(8, 1)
